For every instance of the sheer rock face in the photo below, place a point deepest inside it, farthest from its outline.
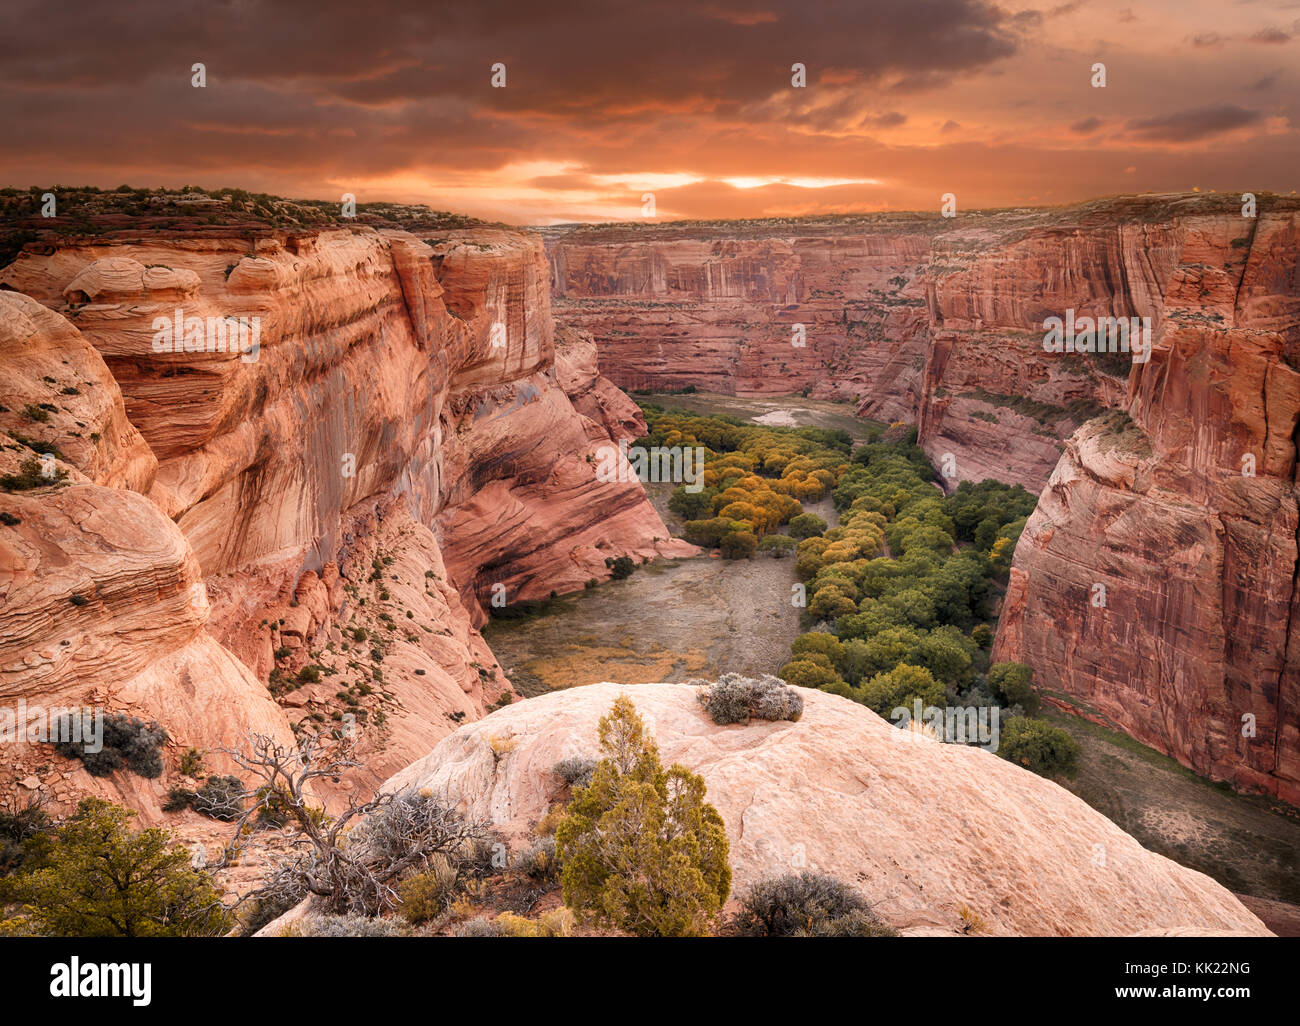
(934, 321)
(58, 389)
(921, 828)
(1155, 586)
(388, 401)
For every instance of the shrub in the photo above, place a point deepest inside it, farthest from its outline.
(191, 764)
(477, 928)
(96, 877)
(29, 476)
(219, 798)
(736, 699)
(806, 904)
(576, 770)
(641, 849)
(1013, 683)
(19, 821)
(620, 568)
(982, 635)
(127, 740)
(354, 858)
(859, 923)
(556, 923)
(1037, 745)
(538, 861)
(344, 926)
(427, 895)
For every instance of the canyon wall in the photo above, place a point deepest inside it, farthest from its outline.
(930, 320)
(324, 518)
(1156, 585)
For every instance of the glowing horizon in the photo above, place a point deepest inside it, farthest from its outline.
(901, 103)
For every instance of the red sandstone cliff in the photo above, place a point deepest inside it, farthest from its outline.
(1187, 516)
(934, 321)
(402, 444)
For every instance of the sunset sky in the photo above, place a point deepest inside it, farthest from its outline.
(604, 101)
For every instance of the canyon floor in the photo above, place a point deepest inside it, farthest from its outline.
(1246, 842)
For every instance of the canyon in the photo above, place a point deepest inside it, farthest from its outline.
(313, 538)
(1181, 501)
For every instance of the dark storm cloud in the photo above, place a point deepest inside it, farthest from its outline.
(561, 56)
(905, 100)
(1193, 125)
(384, 87)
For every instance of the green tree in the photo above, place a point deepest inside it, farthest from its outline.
(691, 505)
(830, 602)
(1037, 745)
(806, 525)
(901, 686)
(889, 647)
(780, 545)
(738, 545)
(96, 877)
(805, 672)
(818, 641)
(1013, 683)
(641, 849)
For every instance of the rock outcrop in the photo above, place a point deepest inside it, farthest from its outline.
(309, 459)
(924, 830)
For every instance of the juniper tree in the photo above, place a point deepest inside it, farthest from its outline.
(642, 850)
(97, 877)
